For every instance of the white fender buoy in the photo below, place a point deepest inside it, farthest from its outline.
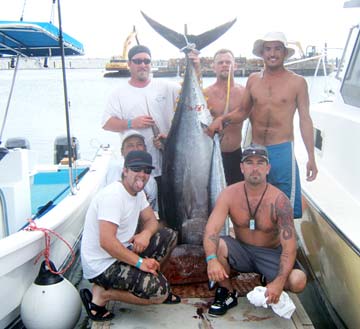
(50, 302)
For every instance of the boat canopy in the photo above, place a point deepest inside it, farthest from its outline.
(35, 39)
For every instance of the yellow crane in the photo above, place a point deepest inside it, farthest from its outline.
(119, 63)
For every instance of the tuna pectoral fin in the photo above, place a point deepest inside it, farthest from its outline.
(192, 231)
(179, 40)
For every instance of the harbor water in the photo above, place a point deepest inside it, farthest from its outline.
(37, 107)
(37, 113)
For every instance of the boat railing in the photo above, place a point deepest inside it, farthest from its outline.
(321, 62)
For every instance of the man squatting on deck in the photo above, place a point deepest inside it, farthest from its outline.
(122, 263)
(264, 240)
(270, 100)
(133, 141)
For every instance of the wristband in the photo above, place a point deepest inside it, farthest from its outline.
(210, 257)
(139, 262)
(129, 124)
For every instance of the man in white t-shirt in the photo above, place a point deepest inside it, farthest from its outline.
(122, 263)
(133, 141)
(144, 104)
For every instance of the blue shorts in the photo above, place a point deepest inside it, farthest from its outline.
(246, 258)
(284, 173)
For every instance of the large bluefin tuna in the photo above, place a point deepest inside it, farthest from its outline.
(187, 185)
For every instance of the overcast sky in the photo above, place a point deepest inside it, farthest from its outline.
(102, 26)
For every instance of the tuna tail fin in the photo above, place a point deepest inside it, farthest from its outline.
(182, 41)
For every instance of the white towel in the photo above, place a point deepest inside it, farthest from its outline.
(284, 307)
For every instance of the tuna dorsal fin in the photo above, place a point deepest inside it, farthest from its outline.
(179, 40)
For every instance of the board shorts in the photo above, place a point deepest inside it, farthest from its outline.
(247, 259)
(231, 163)
(142, 284)
(284, 173)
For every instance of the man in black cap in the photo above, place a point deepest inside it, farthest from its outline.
(123, 263)
(144, 104)
(133, 141)
(264, 239)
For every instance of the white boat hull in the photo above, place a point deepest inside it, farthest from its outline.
(19, 250)
(334, 261)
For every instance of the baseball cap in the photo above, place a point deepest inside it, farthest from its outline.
(131, 133)
(138, 159)
(255, 150)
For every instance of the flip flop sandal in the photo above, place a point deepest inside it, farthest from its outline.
(172, 299)
(102, 314)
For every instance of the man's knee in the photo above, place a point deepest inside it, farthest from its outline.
(154, 288)
(296, 281)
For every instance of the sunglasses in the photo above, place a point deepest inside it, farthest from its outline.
(146, 170)
(139, 61)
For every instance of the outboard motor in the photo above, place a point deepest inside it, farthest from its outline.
(50, 302)
(61, 148)
(17, 143)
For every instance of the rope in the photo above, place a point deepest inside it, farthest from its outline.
(46, 252)
(189, 46)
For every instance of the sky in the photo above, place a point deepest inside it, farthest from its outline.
(102, 26)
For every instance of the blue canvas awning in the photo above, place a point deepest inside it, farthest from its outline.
(35, 39)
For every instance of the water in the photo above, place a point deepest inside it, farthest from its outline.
(37, 107)
(37, 113)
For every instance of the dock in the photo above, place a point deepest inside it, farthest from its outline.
(192, 312)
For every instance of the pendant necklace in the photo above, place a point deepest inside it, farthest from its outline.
(252, 224)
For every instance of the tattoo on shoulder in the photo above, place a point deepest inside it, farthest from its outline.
(284, 215)
(214, 238)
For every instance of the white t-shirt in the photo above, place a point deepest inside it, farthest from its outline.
(157, 99)
(151, 190)
(114, 204)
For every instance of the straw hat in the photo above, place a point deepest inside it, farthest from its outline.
(272, 36)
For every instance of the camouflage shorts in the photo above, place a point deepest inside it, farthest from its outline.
(142, 284)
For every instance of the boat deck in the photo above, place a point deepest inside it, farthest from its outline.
(192, 313)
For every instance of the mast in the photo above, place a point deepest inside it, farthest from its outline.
(68, 134)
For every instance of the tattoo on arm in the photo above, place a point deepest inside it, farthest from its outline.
(283, 260)
(214, 238)
(284, 215)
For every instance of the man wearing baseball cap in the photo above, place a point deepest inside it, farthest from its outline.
(271, 99)
(132, 141)
(121, 261)
(265, 240)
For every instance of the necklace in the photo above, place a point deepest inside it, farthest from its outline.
(252, 223)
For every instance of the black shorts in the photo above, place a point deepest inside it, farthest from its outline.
(231, 162)
(246, 258)
(142, 284)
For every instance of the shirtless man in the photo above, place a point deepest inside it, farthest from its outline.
(271, 98)
(265, 240)
(220, 101)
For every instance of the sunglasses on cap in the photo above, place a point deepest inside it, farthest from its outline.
(146, 170)
(139, 61)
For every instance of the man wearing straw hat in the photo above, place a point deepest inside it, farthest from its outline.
(223, 97)
(271, 99)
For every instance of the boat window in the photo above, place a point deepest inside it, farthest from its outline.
(350, 88)
(318, 139)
